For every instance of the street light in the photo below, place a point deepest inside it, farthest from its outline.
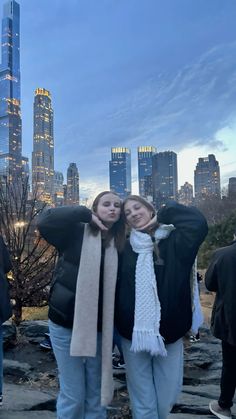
(20, 224)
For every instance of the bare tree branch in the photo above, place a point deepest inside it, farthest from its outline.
(33, 259)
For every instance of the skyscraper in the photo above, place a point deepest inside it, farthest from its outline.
(232, 188)
(58, 188)
(207, 178)
(120, 171)
(10, 114)
(25, 167)
(185, 195)
(164, 177)
(43, 146)
(72, 191)
(145, 154)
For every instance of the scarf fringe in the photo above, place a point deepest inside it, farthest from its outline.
(143, 340)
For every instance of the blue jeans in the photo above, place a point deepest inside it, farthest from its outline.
(1, 359)
(154, 382)
(80, 378)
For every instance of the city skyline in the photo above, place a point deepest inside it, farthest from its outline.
(128, 75)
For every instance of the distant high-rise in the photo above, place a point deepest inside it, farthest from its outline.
(120, 171)
(145, 154)
(232, 188)
(72, 191)
(185, 195)
(58, 188)
(25, 167)
(43, 146)
(164, 177)
(207, 178)
(10, 97)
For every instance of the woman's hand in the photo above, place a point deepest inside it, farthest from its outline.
(150, 225)
(98, 223)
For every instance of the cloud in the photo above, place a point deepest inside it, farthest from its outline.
(170, 111)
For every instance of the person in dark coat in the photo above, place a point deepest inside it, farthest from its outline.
(81, 302)
(153, 309)
(221, 278)
(5, 305)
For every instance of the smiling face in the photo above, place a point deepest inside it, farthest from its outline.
(108, 209)
(137, 214)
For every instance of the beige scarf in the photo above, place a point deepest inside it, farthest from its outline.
(84, 333)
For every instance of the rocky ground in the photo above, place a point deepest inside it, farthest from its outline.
(31, 385)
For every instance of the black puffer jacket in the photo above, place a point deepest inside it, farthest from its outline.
(63, 228)
(177, 254)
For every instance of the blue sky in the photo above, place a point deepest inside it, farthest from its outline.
(130, 73)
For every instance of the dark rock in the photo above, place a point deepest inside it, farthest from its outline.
(16, 368)
(9, 334)
(34, 330)
(49, 405)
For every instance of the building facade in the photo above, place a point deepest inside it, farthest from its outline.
(120, 171)
(164, 177)
(58, 188)
(185, 195)
(43, 147)
(10, 93)
(72, 190)
(207, 178)
(232, 188)
(145, 154)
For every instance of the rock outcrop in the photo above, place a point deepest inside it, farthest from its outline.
(31, 385)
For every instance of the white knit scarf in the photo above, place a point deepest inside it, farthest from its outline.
(84, 332)
(147, 315)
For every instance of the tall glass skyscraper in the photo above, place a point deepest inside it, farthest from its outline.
(164, 177)
(10, 114)
(145, 154)
(43, 146)
(120, 171)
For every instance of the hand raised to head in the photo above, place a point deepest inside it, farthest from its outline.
(98, 223)
(150, 225)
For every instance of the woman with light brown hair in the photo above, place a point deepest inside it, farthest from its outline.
(153, 300)
(81, 304)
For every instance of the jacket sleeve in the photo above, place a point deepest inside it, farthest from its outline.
(56, 225)
(190, 227)
(211, 276)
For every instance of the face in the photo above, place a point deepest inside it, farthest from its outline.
(108, 209)
(136, 214)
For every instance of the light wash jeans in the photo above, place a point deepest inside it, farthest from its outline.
(80, 378)
(154, 382)
(1, 359)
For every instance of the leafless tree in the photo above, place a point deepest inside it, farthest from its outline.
(32, 258)
(217, 209)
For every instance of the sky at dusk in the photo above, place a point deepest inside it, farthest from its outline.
(129, 73)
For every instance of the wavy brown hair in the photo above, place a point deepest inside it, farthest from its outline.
(118, 228)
